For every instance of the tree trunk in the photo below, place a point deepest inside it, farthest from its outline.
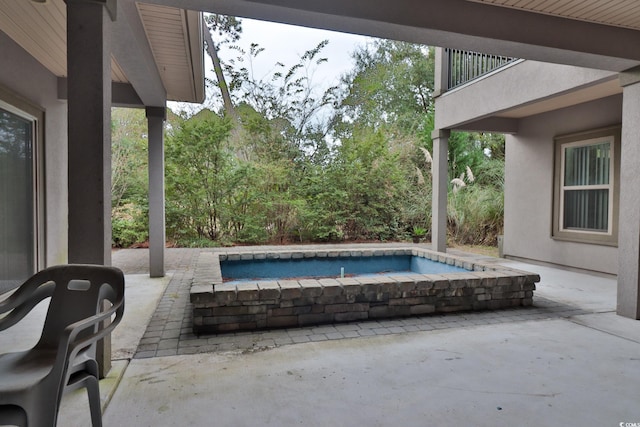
(222, 83)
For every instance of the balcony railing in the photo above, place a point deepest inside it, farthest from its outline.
(464, 66)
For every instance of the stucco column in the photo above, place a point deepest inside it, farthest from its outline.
(89, 116)
(440, 71)
(629, 220)
(156, 117)
(440, 185)
(89, 124)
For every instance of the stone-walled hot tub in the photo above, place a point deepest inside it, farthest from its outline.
(248, 304)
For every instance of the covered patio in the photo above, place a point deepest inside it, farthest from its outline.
(68, 62)
(568, 360)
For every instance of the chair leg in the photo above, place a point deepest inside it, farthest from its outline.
(93, 392)
(42, 416)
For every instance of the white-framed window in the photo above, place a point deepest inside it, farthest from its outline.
(586, 181)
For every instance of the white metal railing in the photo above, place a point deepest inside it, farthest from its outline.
(464, 66)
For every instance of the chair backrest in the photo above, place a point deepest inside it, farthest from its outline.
(79, 293)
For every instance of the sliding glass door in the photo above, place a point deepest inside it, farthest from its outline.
(17, 198)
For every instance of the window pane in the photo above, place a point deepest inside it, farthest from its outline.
(16, 200)
(586, 210)
(587, 165)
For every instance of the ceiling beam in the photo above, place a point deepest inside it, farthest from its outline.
(490, 124)
(122, 94)
(133, 53)
(449, 23)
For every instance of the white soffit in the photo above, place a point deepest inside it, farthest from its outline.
(617, 13)
(174, 35)
(41, 30)
(175, 38)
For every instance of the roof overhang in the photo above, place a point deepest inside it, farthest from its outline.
(176, 41)
(157, 44)
(157, 50)
(479, 26)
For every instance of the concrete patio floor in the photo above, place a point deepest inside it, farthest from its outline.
(546, 373)
(569, 360)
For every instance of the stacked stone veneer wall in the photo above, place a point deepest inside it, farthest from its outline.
(219, 307)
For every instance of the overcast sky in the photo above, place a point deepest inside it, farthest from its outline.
(286, 44)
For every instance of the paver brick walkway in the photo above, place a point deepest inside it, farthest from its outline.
(170, 330)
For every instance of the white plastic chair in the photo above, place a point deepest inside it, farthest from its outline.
(32, 382)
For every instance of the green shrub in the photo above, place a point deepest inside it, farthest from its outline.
(198, 242)
(129, 225)
(252, 233)
(475, 215)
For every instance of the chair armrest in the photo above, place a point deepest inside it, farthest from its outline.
(22, 301)
(68, 347)
(76, 328)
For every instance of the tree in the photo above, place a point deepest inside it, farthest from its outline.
(287, 100)
(129, 154)
(228, 29)
(286, 169)
(389, 92)
(390, 87)
(360, 189)
(198, 165)
(129, 177)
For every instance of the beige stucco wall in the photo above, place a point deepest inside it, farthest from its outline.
(27, 78)
(529, 187)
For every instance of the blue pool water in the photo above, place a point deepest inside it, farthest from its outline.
(271, 269)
